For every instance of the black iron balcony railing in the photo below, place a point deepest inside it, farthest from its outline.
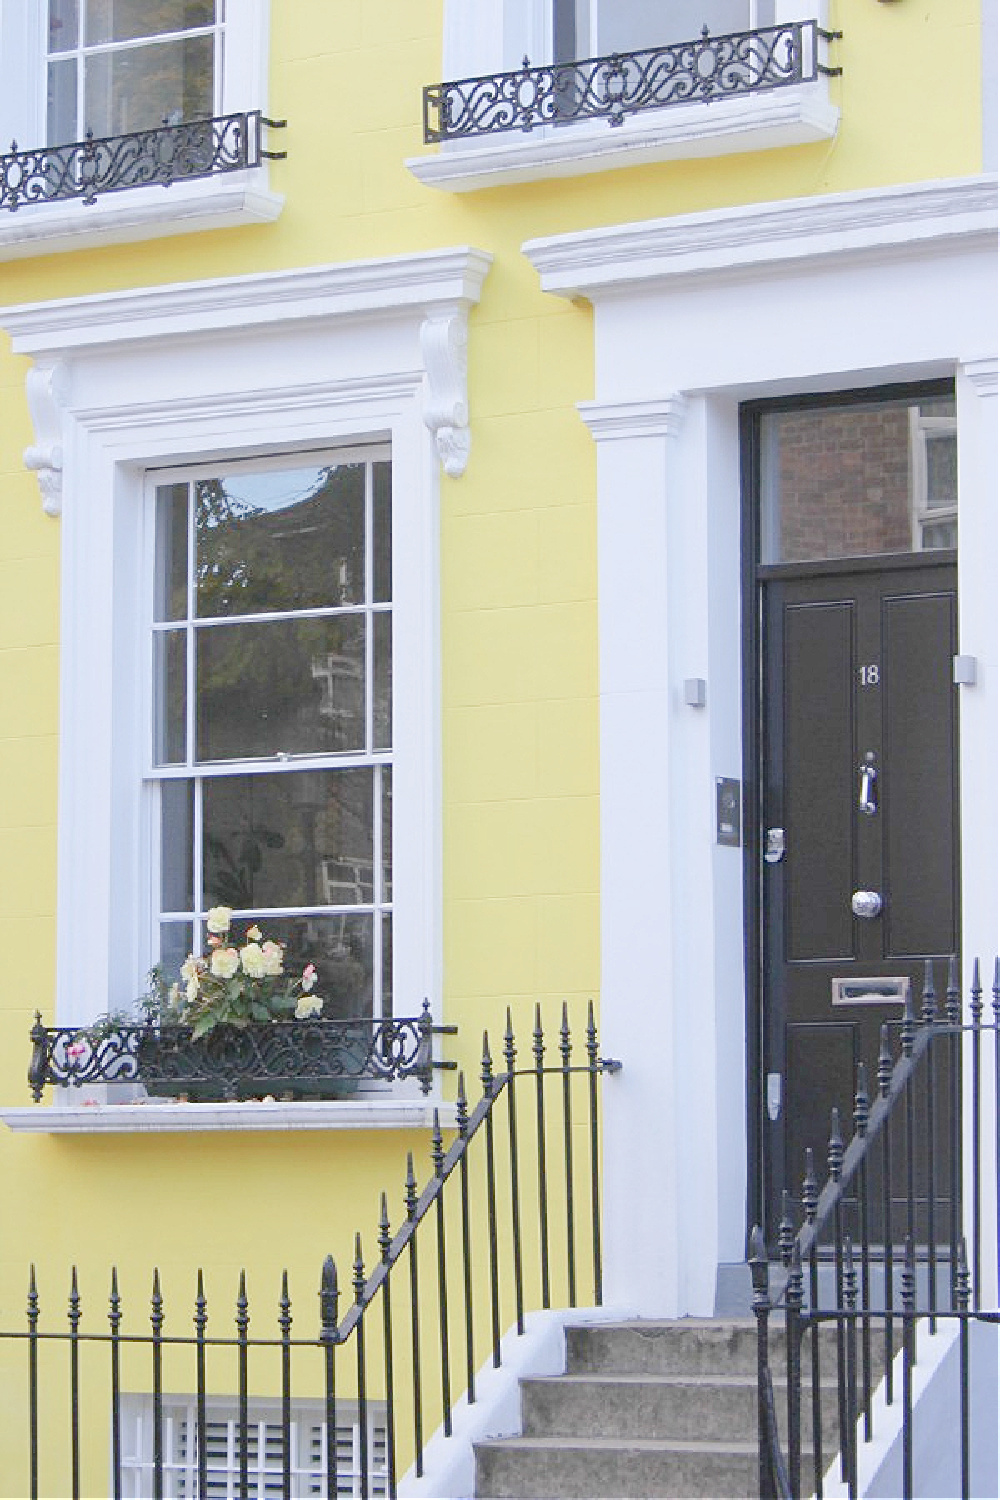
(312, 1058)
(91, 168)
(703, 70)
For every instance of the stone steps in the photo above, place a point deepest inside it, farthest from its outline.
(644, 1410)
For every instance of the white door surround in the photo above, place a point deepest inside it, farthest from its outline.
(693, 315)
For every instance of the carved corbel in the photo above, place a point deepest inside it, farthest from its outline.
(46, 391)
(444, 342)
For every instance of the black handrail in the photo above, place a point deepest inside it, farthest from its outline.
(899, 1286)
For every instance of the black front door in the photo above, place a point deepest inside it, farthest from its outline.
(860, 843)
(853, 878)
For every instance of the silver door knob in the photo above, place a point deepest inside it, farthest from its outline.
(866, 904)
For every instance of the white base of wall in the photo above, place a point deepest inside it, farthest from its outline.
(936, 1451)
(450, 1462)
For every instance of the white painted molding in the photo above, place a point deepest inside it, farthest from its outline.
(792, 118)
(981, 375)
(46, 387)
(444, 344)
(159, 1118)
(618, 420)
(147, 213)
(901, 218)
(426, 280)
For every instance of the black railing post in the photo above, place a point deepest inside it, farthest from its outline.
(411, 1215)
(861, 1114)
(115, 1320)
(156, 1323)
(930, 1021)
(243, 1387)
(976, 1010)
(437, 1157)
(359, 1347)
(486, 1074)
(385, 1245)
(510, 1053)
(759, 1273)
(909, 1337)
(201, 1411)
(329, 1294)
(793, 1359)
(835, 1159)
(33, 1311)
(884, 1082)
(593, 1068)
(74, 1382)
(953, 1017)
(810, 1199)
(961, 1303)
(285, 1329)
(850, 1303)
(538, 1051)
(462, 1122)
(565, 1052)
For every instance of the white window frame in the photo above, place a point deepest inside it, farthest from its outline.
(155, 774)
(146, 212)
(180, 1468)
(923, 429)
(370, 351)
(490, 36)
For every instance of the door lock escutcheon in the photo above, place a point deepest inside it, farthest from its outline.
(774, 846)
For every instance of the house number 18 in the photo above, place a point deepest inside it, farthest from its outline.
(868, 675)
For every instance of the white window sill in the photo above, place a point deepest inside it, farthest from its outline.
(784, 117)
(143, 213)
(159, 1116)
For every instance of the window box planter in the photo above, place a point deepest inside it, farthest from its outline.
(298, 1059)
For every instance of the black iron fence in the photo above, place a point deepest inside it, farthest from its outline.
(342, 1408)
(303, 1058)
(92, 168)
(700, 71)
(898, 1238)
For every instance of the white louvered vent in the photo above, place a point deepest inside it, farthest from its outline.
(264, 1451)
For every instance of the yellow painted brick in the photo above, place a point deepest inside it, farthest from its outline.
(490, 561)
(504, 367)
(27, 781)
(29, 691)
(27, 870)
(567, 552)
(489, 946)
(568, 747)
(569, 943)
(491, 753)
(29, 602)
(498, 849)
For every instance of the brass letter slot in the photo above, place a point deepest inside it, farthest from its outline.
(891, 991)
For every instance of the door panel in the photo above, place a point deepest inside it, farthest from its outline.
(858, 768)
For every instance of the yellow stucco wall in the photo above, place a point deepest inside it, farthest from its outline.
(518, 614)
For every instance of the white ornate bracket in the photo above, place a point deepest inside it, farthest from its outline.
(444, 343)
(46, 387)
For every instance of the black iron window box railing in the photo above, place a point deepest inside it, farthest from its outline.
(700, 71)
(295, 1059)
(91, 168)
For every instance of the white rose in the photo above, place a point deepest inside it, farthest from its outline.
(225, 962)
(219, 918)
(252, 959)
(190, 968)
(308, 1006)
(274, 958)
(191, 991)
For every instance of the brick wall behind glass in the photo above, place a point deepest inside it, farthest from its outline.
(845, 482)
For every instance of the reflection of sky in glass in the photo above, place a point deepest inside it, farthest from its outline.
(273, 491)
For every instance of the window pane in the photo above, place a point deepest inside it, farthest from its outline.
(176, 845)
(170, 601)
(942, 470)
(169, 697)
(382, 680)
(290, 687)
(631, 25)
(281, 540)
(121, 20)
(341, 949)
(844, 480)
(387, 964)
(295, 839)
(61, 112)
(64, 24)
(386, 772)
(382, 529)
(176, 942)
(141, 88)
